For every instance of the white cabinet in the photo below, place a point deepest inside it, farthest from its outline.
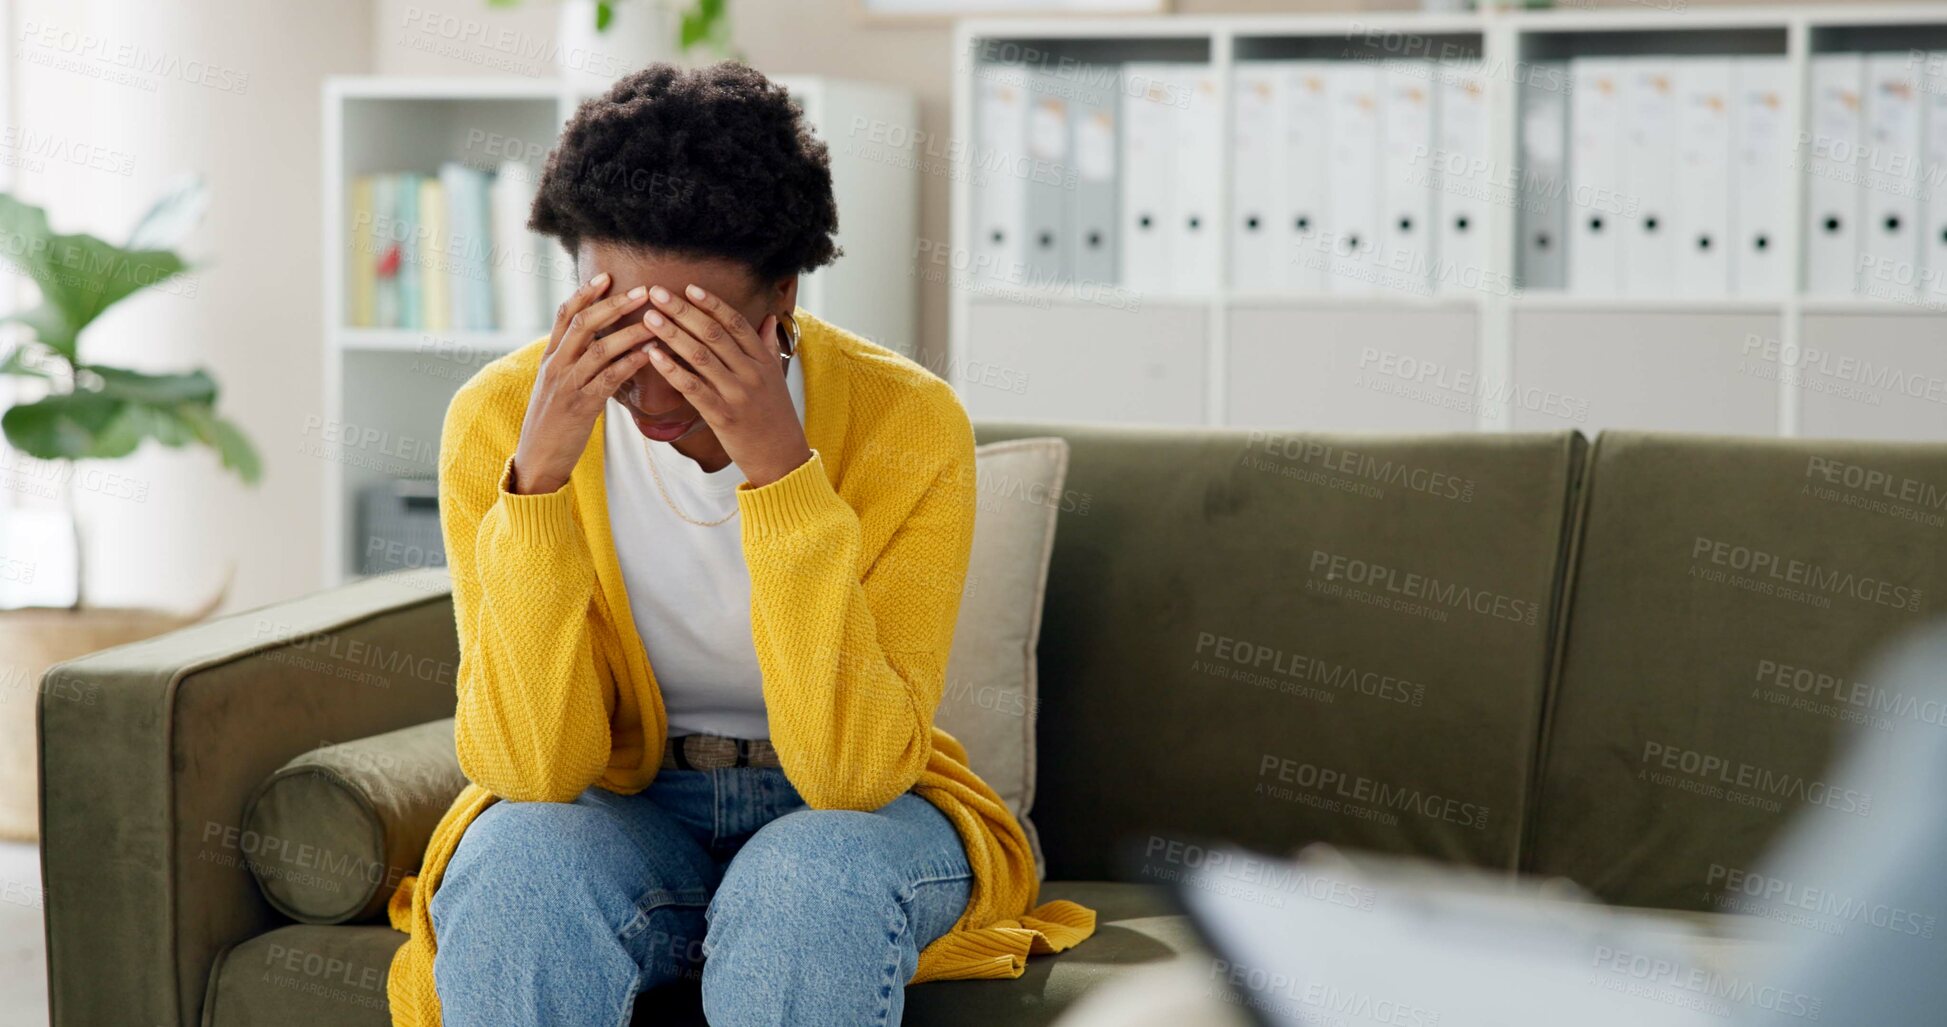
(1499, 360)
(1874, 375)
(1682, 370)
(1078, 362)
(1354, 368)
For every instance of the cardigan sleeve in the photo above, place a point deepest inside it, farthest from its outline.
(854, 662)
(530, 721)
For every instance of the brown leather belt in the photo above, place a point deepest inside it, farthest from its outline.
(715, 752)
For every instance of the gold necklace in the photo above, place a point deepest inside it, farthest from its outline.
(657, 474)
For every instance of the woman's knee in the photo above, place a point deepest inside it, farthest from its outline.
(820, 917)
(818, 870)
(522, 858)
(810, 855)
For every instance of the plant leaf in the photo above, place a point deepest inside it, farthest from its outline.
(154, 389)
(604, 14)
(79, 275)
(18, 364)
(227, 439)
(705, 22)
(124, 433)
(97, 425)
(64, 426)
(237, 452)
(51, 328)
(101, 275)
(172, 216)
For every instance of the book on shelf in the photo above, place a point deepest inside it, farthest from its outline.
(384, 251)
(436, 286)
(518, 277)
(446, 251)
(411, 250)
(362, 281)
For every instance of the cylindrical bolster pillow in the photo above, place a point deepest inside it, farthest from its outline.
(331, 833)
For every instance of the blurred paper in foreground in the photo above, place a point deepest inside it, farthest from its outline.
(1400, 944)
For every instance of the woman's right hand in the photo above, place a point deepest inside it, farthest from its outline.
(578, 374)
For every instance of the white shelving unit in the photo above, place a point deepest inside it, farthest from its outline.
(386, 389)
(1300, 361)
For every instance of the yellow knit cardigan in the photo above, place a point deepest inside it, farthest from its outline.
(856, 563)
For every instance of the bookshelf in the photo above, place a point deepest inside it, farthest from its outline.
(386, 389)
(1300, 361)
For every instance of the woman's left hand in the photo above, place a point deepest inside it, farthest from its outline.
(733, 377)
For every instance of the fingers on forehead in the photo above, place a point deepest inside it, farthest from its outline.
(717, 305)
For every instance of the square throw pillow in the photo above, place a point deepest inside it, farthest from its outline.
(990, 696)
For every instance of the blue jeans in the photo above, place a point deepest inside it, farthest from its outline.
(560, 913)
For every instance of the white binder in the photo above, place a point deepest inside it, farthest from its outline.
(1257, 177)
(1542, 179)
(1050, 178)
(1307, 98)
(1000, 196)
(1889, 247)
(1831, 184)
(1092, 219)
(1760, 150)
(1649, 177)
(1148, 176)
(1196, 243)
(1933, 268)
(1700, 217)
(1405, 258)
(1351, 224)
(1595, 158)
(1462, 169)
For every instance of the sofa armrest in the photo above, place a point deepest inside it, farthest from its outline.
(149, 752)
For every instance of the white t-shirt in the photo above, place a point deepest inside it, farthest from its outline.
(689, 589)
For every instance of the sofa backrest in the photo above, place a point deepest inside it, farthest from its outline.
(1726, 594)
(1281, 638)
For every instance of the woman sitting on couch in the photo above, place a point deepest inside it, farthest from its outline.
(692, 475)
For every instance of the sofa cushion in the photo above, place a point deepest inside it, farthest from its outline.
(1277, 639)
(334, 976)
(1135, 925)
(317, 974)
(331, 833)
(1726, 596)
(990, 694)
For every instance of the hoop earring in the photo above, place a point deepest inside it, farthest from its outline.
(789, 342)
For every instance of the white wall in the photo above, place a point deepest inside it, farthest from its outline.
(230, 90)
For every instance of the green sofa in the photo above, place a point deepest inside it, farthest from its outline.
(1520, 652)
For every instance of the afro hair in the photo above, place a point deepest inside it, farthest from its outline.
(710, 162)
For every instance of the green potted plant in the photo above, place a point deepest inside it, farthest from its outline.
(601, 40)
(90, 411)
